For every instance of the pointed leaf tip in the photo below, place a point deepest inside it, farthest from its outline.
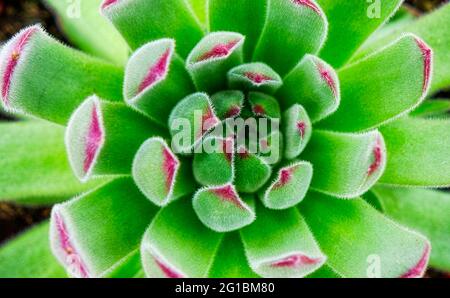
(222, 209)
(190, 120)
(160, 175)
(10, 57)
(290, 186)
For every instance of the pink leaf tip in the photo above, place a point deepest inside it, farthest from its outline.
(71, 256)
(166, 269)
(218, 51)
(108, 3)
(13, 59)
(310, 4)
(377, 158)
(326, 75)
(94, 139)
(209, 120)
(156, 72)
(419, 269)
(257, 78)
(284, 177)
(301, 127)
(427, 54)
(228, 194)
(295, 261)
(170, 166)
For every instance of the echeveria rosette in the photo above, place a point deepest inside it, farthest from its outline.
(324, 193)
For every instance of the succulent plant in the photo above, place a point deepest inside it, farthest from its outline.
(229, 138)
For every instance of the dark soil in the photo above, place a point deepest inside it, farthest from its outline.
(16, 14)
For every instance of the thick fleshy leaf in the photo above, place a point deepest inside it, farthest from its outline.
(432, 108)
(44, 78)
(347, 165)
(78, 18)
(360, 242)
(230, 260)
(297, 130)
(252, 171)
(270, 147)
(418, 152)
(280, 244)
(222, 209)
(177, 244)
(263, 105)
(351, 22)
(228, 104)
(292, 29)
(29, 256)
(190, 120)
(156, 80)
(34, 166)
(102, 138)
(141, 21)
(91, 234)
(212, 58)
(383, 86)
(200, 9)
(214, 165)
(128, 267)
(425, 211)
(289, 187)
(314, 85)
(160, 175)
(254, 76)
(235, 15)
(431, 28)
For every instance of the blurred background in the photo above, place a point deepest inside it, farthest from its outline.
(14, 15)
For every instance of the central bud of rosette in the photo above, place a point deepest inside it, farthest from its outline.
(226, 137)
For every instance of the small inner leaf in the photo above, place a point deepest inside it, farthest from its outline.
(290, 186)
(297, 131)
(254, 76)
(228, 104)
(222, 209)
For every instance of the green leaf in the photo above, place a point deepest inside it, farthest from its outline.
(383, 86)
(425, 211)
(289, 187)
(92, 234)
(360, 242)
(127, 267)
(160, 175)
(29, 256)
(280, 244)
(297, 130)
(292, 29)
(222, 209)
(432, 108)
(102, 138)
(47, 79)
(228, 104)
(351, 22)
(263, 105)
(78, 18)
(235, 15)
(190, 120)
(347, 165)
(214, 165)
(212, 58)
(177, 244)
(431, 28)
(230, 260)
(418, 152)
(200, 9)
(252, 171)
(156, 80)
(319, 91)
(141, 21)
(34, 166)
(254, 76)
